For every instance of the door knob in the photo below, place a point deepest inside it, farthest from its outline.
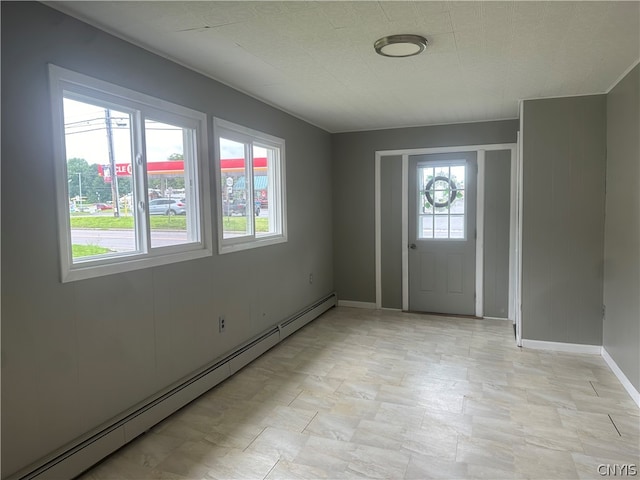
(413, 246)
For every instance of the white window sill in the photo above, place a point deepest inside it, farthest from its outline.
(86, 270)
(230, 246)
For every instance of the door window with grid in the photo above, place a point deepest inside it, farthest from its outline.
(441, 201)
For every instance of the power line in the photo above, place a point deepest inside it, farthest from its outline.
(118, 128)
(96, 119)
(92, 130)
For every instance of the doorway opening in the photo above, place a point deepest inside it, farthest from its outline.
(406, 205)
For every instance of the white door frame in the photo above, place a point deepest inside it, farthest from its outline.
(515, 226)
(517, 202)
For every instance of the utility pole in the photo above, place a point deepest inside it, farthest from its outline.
(112, 163)
(80, 186)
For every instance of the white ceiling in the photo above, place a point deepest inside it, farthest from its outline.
(316, 59)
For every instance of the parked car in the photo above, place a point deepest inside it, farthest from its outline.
(234, 207)
(103, 206)
(167, 206)
(238, 207)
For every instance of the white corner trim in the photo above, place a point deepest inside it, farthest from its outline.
(354, 304)
(562, 347)
(628, 386)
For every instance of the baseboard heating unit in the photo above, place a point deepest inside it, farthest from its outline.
(85, 452)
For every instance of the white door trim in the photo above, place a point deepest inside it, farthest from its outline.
(405, 231)
(513, 234)
(378, 231)
(513, 238)
(517, 281)
(480, 158)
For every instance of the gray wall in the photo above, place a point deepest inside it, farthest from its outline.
(354, 192)
(391, 233)
(74, 355)
(621, 332)
(497, 205)
(564, 150)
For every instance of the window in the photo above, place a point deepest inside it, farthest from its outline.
(131, 176)
(250, 176)
(441, 201)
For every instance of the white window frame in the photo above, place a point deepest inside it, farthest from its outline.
(75, 85)
(277, 187)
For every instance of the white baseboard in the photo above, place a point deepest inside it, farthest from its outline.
(589, 349)
(562, 347)
(628, 386)
(498, 318)
(352, 304)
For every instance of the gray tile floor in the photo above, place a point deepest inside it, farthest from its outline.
(377, 394)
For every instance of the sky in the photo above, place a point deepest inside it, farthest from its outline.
(86, 136)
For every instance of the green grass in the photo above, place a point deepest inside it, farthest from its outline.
(158, 222)
(239, 224)
(87, 250)
(162, 222)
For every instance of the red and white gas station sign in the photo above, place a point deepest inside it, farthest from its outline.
(176, 167)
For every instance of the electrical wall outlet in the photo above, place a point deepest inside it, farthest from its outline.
(221, 324)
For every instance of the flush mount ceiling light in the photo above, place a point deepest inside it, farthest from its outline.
(400, 45)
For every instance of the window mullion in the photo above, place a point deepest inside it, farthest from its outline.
(272, 164)
(249, 205)
(140, 186)
(191, 185)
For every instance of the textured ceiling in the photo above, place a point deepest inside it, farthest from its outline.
(316, 59)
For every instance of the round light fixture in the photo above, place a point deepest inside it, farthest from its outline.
(400, 45)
